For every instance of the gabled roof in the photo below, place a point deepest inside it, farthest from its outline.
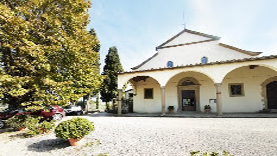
(205, 64)
(210, 38)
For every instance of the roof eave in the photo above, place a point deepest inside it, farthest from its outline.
(251, 53)
(207, 64)
(188, 31)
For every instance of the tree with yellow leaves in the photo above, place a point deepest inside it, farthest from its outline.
(47, 55)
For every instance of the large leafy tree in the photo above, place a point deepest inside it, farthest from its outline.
(112, 66)
(47, 55)
(96, 48)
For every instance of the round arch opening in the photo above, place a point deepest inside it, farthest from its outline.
(190, 91)
(145, 93)
(245, 88)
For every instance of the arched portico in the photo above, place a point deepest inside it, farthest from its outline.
(244, 88)
(221, 79)
(147, 94)
(190, 91)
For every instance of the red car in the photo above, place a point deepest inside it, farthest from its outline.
(6, 114)
(53, 112)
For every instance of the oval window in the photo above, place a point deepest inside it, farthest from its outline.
(169, 64)
(204, 60)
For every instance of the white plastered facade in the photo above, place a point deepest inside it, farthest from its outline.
(226, 65)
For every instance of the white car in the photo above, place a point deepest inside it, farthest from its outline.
(73, 110)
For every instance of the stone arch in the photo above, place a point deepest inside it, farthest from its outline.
(251, 81)
(141, 85)
(179, 86)
(208, 76)
(131, 77)
(135, 79)
(250, 66)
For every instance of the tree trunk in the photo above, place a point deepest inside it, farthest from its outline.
(87, 104)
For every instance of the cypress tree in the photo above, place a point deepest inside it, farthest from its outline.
(112, 66)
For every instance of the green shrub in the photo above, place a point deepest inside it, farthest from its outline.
(22, 121)
(41, 128)
(197, 153)
(75, 128)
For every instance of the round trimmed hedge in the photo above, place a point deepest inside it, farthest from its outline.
(75, 128)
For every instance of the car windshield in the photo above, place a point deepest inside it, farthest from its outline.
(21, 110)
(67, 107)
(6, 110)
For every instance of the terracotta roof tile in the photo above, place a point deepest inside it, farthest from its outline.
(136, 67)
(188, 31)
(251, 53)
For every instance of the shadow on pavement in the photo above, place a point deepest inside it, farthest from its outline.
(48, 145)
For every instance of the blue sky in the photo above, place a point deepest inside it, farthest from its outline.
(136, 27)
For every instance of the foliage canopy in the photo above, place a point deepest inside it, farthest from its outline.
(47, 55)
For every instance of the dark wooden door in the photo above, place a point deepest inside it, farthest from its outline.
(188, 100)
(271, 92)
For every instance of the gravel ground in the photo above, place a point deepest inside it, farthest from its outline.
(155, 136)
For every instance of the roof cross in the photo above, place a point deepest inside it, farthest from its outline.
(184, 20)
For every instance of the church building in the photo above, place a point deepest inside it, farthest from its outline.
(192, 70)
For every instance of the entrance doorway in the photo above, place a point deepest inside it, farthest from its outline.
(188, 94)
(188, 100)
(271, 93)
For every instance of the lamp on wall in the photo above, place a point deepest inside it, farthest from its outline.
(253, 66)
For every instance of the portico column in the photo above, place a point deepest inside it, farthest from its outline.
(163, 100)
(218, 98)
(119, 101)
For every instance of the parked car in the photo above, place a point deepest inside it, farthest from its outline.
(52, 112)
(2, 124)
(73, 110)
(8, 113)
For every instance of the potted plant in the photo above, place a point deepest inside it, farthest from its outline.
(207, 108)
(46, 126)
(22, 121)
(74, 130)
(41, 128)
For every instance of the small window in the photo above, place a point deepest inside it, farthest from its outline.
(148, 93)
(169, 64)
(204, 60)
(236, 89)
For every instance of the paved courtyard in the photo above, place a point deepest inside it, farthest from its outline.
(179, 136)
(156, 136)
